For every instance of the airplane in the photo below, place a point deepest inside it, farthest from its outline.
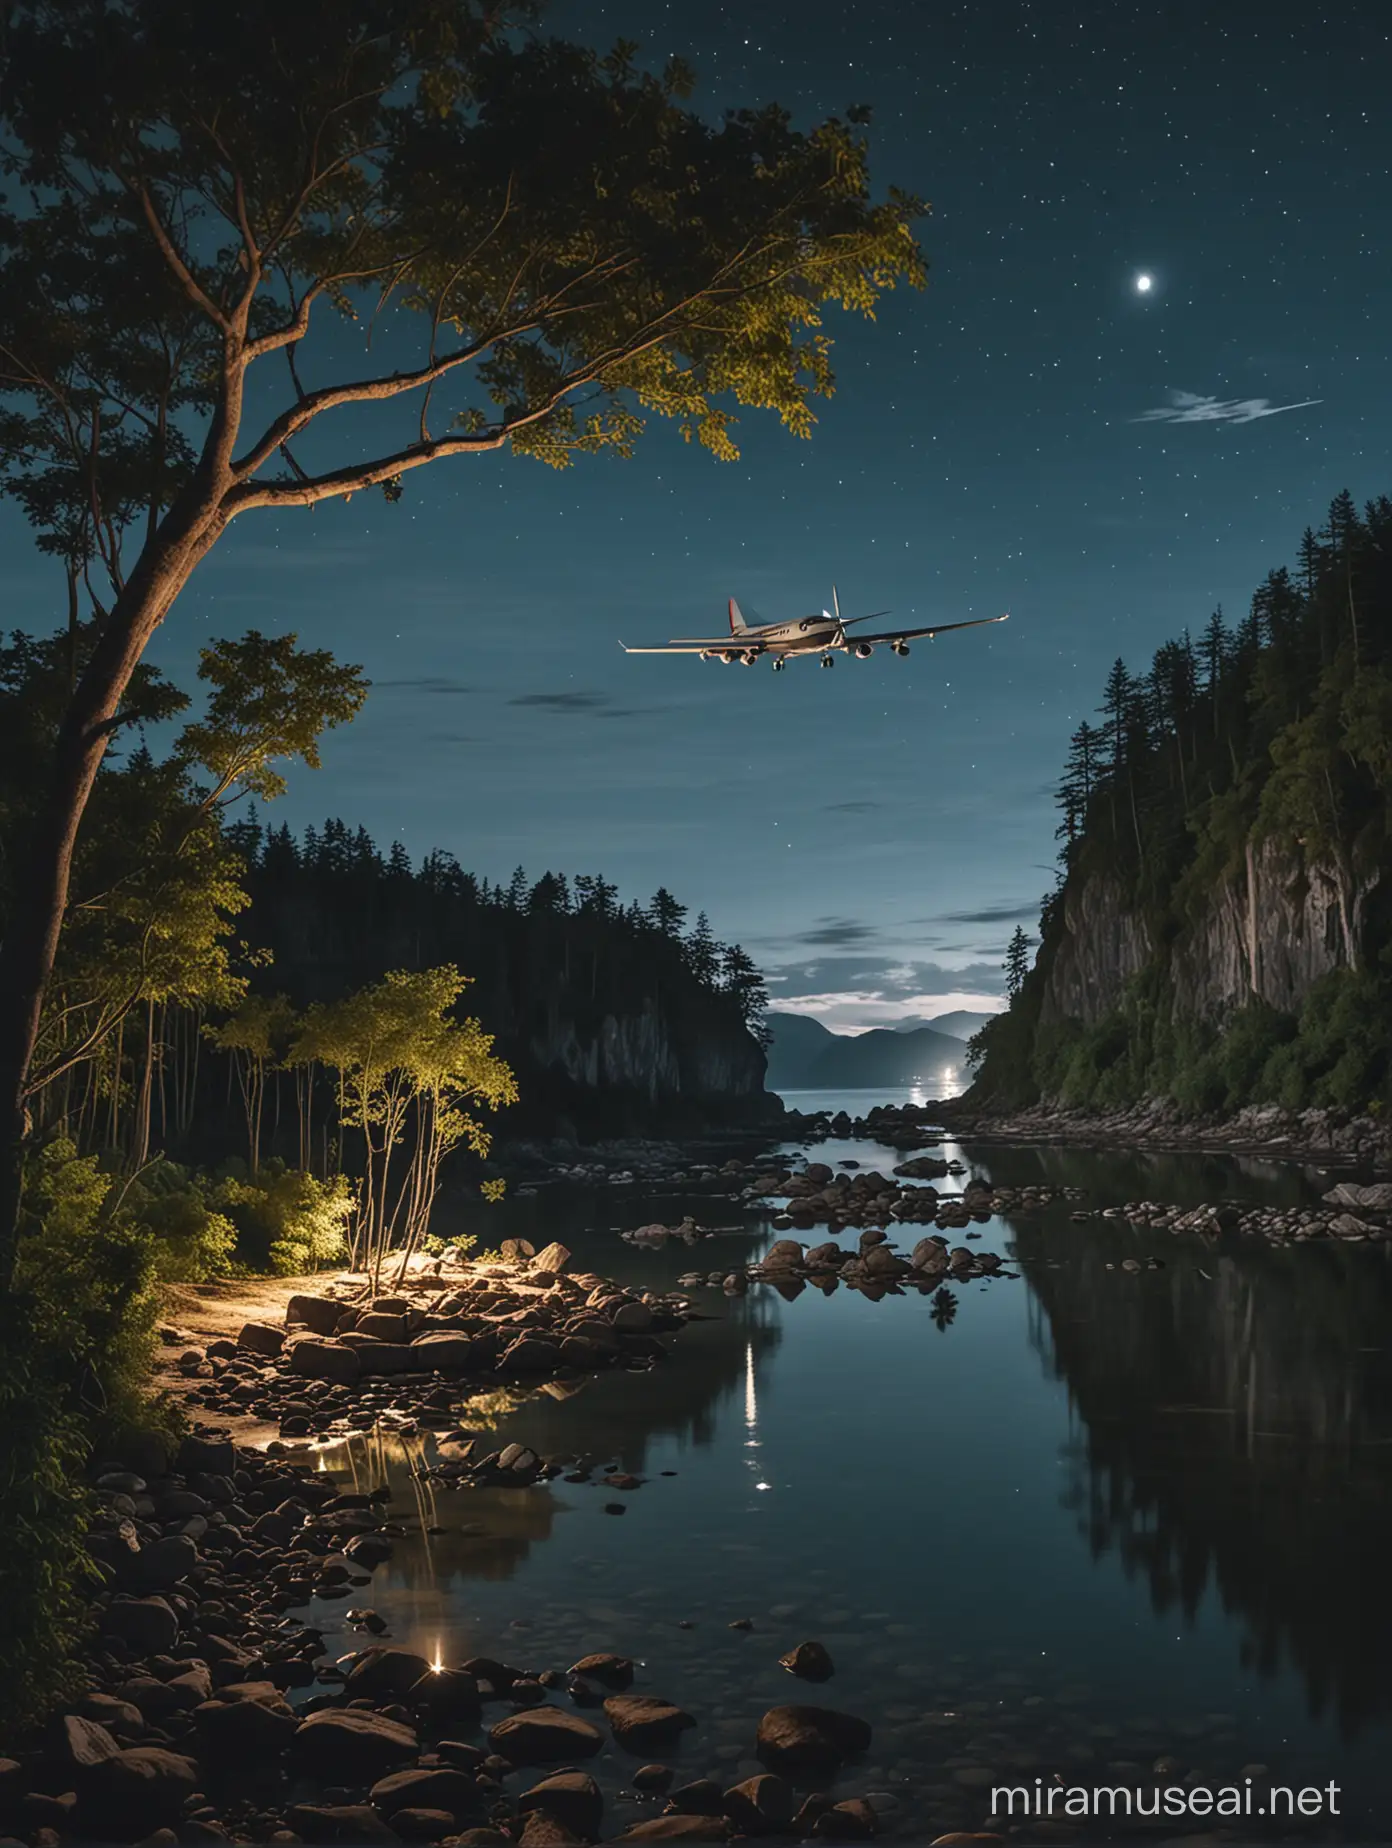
(823, 635)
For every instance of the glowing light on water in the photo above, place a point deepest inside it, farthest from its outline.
(751, 1399)
(437, 1667)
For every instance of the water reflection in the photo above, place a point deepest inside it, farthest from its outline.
(1236, 1436)
(1088, 1517)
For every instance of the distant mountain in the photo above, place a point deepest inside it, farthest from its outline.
(960, 1023)
(806, 1056)
(798, 1042)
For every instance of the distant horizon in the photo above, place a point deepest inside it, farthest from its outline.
(928, 1011)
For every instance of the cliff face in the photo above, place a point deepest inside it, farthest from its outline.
(650, 1055)
(1269, 933)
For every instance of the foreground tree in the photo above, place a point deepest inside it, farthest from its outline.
(196, 191)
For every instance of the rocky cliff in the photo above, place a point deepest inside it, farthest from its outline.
(1268, 932)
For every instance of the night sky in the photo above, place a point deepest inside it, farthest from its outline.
(1035, 433)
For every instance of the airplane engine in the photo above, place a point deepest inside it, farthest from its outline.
(705, 654)
(900, 648)
(751, 658)
(728, 656)
(863, 651)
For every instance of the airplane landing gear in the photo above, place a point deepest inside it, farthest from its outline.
(828, 660)
(779, 664)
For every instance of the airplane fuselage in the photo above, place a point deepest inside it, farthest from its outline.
(810, 635)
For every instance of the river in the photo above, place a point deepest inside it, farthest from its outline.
(1063, 1524)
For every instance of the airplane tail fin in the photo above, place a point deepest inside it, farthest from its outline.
(738, 625)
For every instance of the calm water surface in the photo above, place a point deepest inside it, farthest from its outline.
(1068, 1522)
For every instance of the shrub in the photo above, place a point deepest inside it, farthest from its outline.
(287, 1219)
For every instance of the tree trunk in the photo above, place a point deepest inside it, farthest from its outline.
(45, 867)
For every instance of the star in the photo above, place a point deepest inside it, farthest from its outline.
(1144, 284)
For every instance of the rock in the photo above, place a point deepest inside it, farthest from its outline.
(83, 1743)
(206, 1456)
(442, 1351)
(318, 1313)
(552, 1258)
(261, 1338)
(615, 1671)
(809, 1661)
(763, 1804)
(543, 1830)
(382, 1326)
(136, 1790)
(528, 1354)
(850, 1821)
(678, 1829)
(368, 1550)
(784, 1252)
(483, 1838)
(544, 1734)
(147, 1624)
(340, 1822)
(423, 1825)
(652, 1777)
(816, 1737)
(641, 1722)
(316, 1357)
(1374, 1199)
(248, 1729)
(383, 1670)
(162, 1564)
(444, 1789)
(351, 1745)
(447, 1695)
(572, 1797)
(633, 1318)
(121, 1718)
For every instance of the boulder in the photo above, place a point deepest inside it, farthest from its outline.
(552, 1258)
(378, 1359)
(206, 1456)
(615, 1671)
(261, 1338)
(160, 1565)
(529, 1355)
(340, 1822)
(633, 1318)
(385, 1670)
(543, 1830)
(449, 1694)
(852, 1820)
(247, 1730)
(818, 1738)
(351, 1745)
(784, 1252)
(318, 1313)
(121, 1718)
(384, 1327)
(761, 1805)
(542, 1735)
(82, 1743)
(1376, 1198)
(316, 1357)
(678, 1829)
(445, 1352)
(136, 1790)
(701, 1797)
(443, 1789)
(809, 1661)
(571, 1797)
(643, 1723)
(147, 1624)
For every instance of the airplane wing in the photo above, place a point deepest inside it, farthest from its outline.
(691, 647)
(938, 628)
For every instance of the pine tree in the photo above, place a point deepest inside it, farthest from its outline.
(517, 890)
(665, 913)
(702, 952)
(1017, 962)
(741, 978)
(1074, 792)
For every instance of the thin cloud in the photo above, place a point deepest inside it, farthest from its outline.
(1187, 407)
(423, 683)
(836, 934)
(991, 914)
(596, 705)
(851, 808)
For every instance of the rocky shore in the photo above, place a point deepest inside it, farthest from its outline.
(203, 1711)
